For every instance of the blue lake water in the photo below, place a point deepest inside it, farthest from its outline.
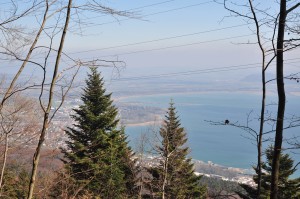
(223, 145)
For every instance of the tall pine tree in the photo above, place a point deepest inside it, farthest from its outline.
(176, 171)
(97, 154)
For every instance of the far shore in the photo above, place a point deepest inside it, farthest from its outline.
(193, 92)
(149, 123)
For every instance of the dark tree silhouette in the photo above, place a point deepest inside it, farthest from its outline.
(97, 154)
(176, 171)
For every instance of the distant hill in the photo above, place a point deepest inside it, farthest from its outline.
(256, 77)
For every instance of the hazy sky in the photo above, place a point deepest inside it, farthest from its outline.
(169, 36)
(199, 44)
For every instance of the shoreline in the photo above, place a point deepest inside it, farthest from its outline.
(149, 123)
(165, 94)
(194, 92)
(212, 170)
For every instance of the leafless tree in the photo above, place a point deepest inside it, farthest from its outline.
(143, 177)
(49, 104)
(277, 23)
(281, 48)
(18, 121)
(53, 12)
(266, 60)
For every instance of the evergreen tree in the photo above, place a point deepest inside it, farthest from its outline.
(288, 188)
(97, 155)
(176, 171)
(15, 184)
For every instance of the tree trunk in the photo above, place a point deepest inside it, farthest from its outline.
(165, 177)
(261, 129)
(263, 101)
(4, 161)
(36, 156)
(281, 101)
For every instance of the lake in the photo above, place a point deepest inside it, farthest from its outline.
(224, 145)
